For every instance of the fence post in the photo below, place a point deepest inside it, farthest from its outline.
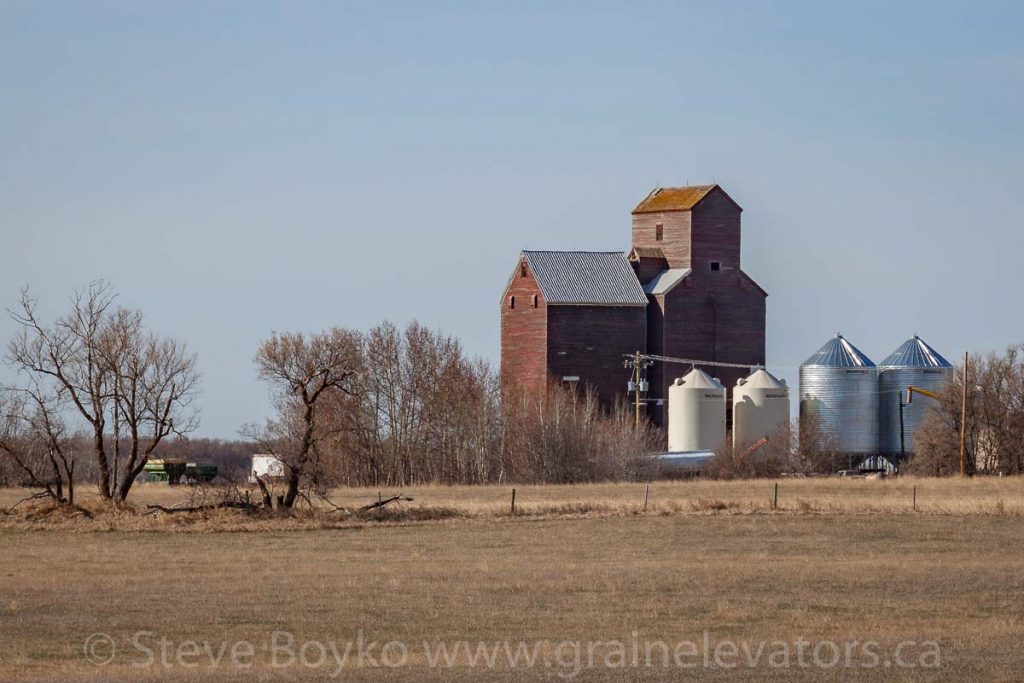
(775, 500)
(647, 494)
(513, 501)
(915, 496)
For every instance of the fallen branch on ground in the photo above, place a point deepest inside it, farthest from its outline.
(250, 507)
(228, 504)
(61, 504)
(33, 496)
(334, 506)
(386, 501)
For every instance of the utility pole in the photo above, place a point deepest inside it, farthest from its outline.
(963, 422)
(638, 362)
(903, 438)
(636, 394)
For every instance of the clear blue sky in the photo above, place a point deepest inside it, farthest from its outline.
(237, 168)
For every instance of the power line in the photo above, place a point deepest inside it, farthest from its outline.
(691, 361)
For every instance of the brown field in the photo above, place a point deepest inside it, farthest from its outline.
(950, 496)
(840, 561)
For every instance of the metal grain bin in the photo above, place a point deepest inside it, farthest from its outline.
(839, 385)
(917, 364)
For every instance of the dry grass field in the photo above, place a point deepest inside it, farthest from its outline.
(982, 495)
(584, 579)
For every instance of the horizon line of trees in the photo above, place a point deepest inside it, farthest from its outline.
(99, 395)
(397, 407)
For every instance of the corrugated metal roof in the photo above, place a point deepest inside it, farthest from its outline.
(665, 281)
(915, 353)
(586, 277)
(673, 198)
(839, 353)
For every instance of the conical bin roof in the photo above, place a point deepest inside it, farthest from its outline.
(915, 353)
(761, 379)
(839, 353)
(698, 379)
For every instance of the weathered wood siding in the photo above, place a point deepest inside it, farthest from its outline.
(715, 231)
(646, 268)
(589, 342)
(675, 241)
(715, 316)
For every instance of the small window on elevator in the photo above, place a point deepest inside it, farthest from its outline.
(511, 302)
(659, 231)
(533, 301)
(716, 265)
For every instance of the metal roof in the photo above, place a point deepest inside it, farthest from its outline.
(665, 281)
(586, 277)
(839, 353)
(915, 353)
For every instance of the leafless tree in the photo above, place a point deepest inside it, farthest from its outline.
(129, 385)
(567, 436)
(153, 380)
(36, 444)
(781, 454)
(815, 450)
(302, 371)
(995, 419)
(424, 413)
(936, 447)
(403, 406)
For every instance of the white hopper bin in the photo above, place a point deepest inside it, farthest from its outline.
(696, 413)
(760, 406)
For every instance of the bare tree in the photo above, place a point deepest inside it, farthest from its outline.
(302, 371)
(425, 412)
(567, 436)
(153, 380)
(995, 419)
(937, 447)
(815, 450)
(781, 453)
(35, 443)
(120, 379)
